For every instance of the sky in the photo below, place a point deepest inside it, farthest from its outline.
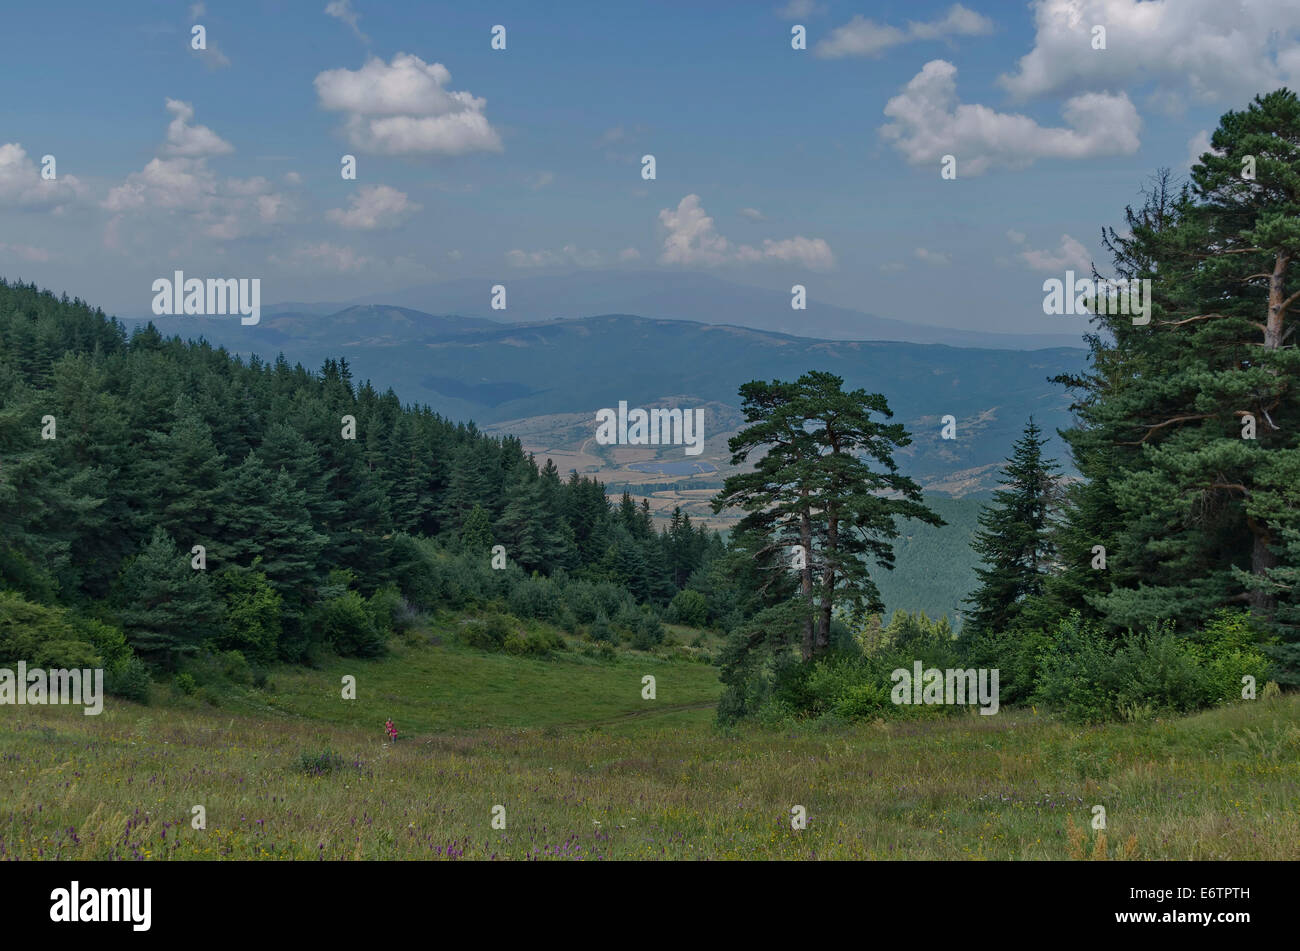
(773, 165)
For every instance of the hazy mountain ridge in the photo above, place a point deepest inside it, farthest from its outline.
(473, 369)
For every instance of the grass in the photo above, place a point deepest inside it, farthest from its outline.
(587, 769)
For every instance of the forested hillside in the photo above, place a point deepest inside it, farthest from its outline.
(158, 497)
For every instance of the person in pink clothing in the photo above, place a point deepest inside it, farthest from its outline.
(390, 730)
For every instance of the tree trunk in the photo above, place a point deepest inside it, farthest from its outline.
(809, 646)
(828, 586)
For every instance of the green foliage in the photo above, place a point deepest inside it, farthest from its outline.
(252, 613)
(42, 636)
(690, 608)
(1015, 545)
(488, 633)
(320, 762)
(346, 623)
(814, 487)
(166, 608)
(129, 679)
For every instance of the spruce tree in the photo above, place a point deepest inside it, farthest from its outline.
(1015, 545)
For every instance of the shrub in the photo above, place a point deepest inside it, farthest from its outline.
(647, 632)
(252, 622)
(186, 683)
(320, 762)
(689, 607)
(489, 633)
(535, 597)
(602, 631)
(129, 679)
(346, 623)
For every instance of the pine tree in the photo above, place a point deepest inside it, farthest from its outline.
(1015, 545)
(167, 608)
(814, 487)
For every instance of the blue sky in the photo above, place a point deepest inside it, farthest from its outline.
(773, 165)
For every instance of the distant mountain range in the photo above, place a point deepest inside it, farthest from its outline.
(547, 379)
(677, 295)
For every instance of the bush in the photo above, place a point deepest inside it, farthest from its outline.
(391, 613)
(534, 644)
(347, 624)
(129, 679)
(186, 684)
(689, 607)
(535, 597)
(252, 622)
(489, 633)
(320, 762)
(647, 632)
(601, 631)
(1092, 677)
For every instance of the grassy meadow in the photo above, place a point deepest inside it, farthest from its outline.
(587, 769)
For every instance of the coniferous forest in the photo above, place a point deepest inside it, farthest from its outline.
(1017, 579)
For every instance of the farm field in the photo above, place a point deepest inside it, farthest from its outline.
(587, 769)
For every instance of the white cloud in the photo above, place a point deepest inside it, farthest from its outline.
(374, 206)
(1198, 145)
(25, 252)
(540, 180)
(342, 10)
(293, 178)
(179, 185)
(693, 241)
(191, 141)
(753, 214)
(932, 257)
(891, 267)
(1070, 254)
(1209, 50)
(1016, 237)
(403, 108)
(864, 37)
(568, 255)
(929, 122)
(21, 184)
(629, 254)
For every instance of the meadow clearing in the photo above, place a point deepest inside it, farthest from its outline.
(587, 769)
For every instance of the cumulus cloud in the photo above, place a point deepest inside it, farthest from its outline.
(1070, 254)
(374, 206)
(21, 185)
(692, 240)
(864, 37)
(191, 141)
(404, 108)
(180, 185)
(929, 122)
(1208, 50)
